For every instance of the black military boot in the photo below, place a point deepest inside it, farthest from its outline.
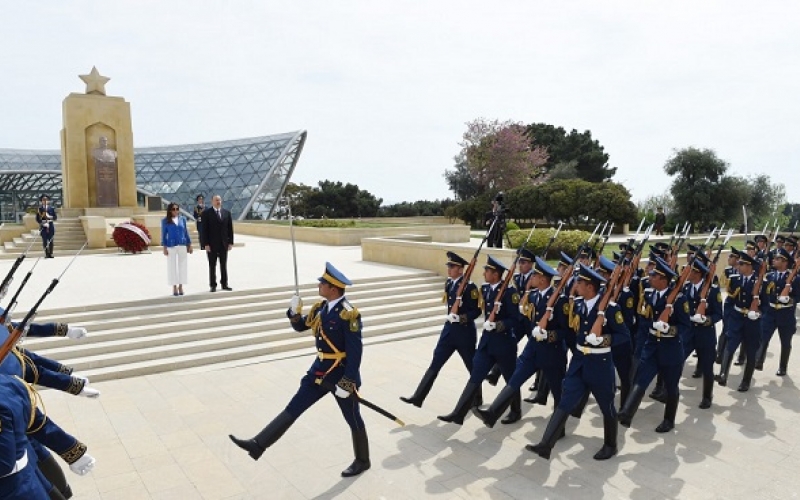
(422, 391)
(741, 359)
(624, 391)
(697, 373)
(272, 432)
(609, 448)
(659, 394)
(670, 410)
(722, 378)
(631, 405)
(748, 376)
(553, 432)
(361, 450)
(494, 375)
(535, 385)
(515, 414)
(721, 343)
(542, 392)
(53, 473)
(478, 401)
(490, 415)
(578, 410)
(761, 356)
(463, 405)
(784, 363)
(708, 390)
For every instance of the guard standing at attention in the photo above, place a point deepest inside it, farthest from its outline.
(337, 328)
(458, 333)
(779, 308)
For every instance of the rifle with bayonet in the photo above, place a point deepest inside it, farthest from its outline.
(470, 268)
(509, 275)
(712, 272)
(10, 275)
(552, 239)
(13, 302)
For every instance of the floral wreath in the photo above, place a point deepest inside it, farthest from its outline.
(131, 237)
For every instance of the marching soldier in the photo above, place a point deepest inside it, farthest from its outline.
(779, 301)
(662, 351)
(702, 336)
(458, 334)
(337, 328)
(622, 351)
(591, 367)
(761, 247)
(744, 324)
(497, 344)
(544, 351)
(520, 280)
(727, 305)
(791, 246)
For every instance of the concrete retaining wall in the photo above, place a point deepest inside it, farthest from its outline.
(449, 233)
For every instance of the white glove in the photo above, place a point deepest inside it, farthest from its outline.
(295, 304)
(498, 305)
(594, 339)
(539, 334)
(660, 326)
(489, 326)
(341, 393)
(88, 392)
(626, 289)
(698, 318)
(76, 332)
(522, 310)
(453, 318)
(784, 299)
(753, 315)
(83, 465)
(82, 377)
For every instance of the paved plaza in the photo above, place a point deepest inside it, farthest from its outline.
(165, 436)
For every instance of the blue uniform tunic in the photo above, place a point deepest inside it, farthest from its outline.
(498, 346)
(740, 329)
(339, 348)
(703, 337)
(458, 337)
(776, 314)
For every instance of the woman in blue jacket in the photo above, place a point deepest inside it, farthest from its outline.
(176, 242)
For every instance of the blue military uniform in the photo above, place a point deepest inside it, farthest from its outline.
(778, 312)
(591, 368)
(727, 306)
(662, 350)
(545, 350)
(744, 325)
(498, 345)
(702, 336)
(337, 330)
(459, 333)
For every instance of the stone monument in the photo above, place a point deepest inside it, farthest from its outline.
(97, 164)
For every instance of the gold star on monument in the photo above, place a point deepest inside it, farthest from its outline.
(95, 82)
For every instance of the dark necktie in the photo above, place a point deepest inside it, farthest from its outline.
(219, 214)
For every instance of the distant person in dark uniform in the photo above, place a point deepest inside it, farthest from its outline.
(217, 240)
(337, 329)
(458, 334)
(497, 212)
(199, 208)
(661, 219)
(46, 216)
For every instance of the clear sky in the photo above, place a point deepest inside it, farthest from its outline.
(385, 88)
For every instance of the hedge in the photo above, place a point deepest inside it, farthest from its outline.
(567, 241)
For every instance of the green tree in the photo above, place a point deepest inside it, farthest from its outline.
(337, 200)
(460, 181)
(297, 194)
(589, 157)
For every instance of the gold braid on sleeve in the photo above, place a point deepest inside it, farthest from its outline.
(75, 452)
(61, 329)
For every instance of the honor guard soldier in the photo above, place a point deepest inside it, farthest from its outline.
(662, 352)
(791, 246)
(622, 351)
(497, 344)
(780, 241)
(702, 336)
(744, 324)
(761, 247)
(727, 304)
(545, 350)
(591, 367)
(337, 328)
(779, 308)
(46, 217)
(458, 334)
(520, 280)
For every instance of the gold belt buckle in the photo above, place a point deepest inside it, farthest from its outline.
(585, 349)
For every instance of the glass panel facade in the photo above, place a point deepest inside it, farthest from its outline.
(249, 174)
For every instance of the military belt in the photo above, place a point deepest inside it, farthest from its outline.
(742, 310)
(672, 332)
(585, 349)
(780, 306)
(338, 356)
(21, 463)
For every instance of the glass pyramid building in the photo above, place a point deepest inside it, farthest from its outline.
(249, 174)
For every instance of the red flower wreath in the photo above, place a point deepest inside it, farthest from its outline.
(131, 237)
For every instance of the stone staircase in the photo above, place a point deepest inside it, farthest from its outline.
(69, 239)
(229, 328)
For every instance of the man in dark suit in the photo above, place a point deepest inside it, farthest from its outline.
(217, 238)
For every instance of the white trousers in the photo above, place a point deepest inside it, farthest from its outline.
(177, 266)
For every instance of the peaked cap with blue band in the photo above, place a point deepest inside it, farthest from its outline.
(565, 259)
(606, 264)
(586, 273)
(492, 263)
(334, 277)
(663, 269)
(543, 268)
(525, 254)
(453, 259)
